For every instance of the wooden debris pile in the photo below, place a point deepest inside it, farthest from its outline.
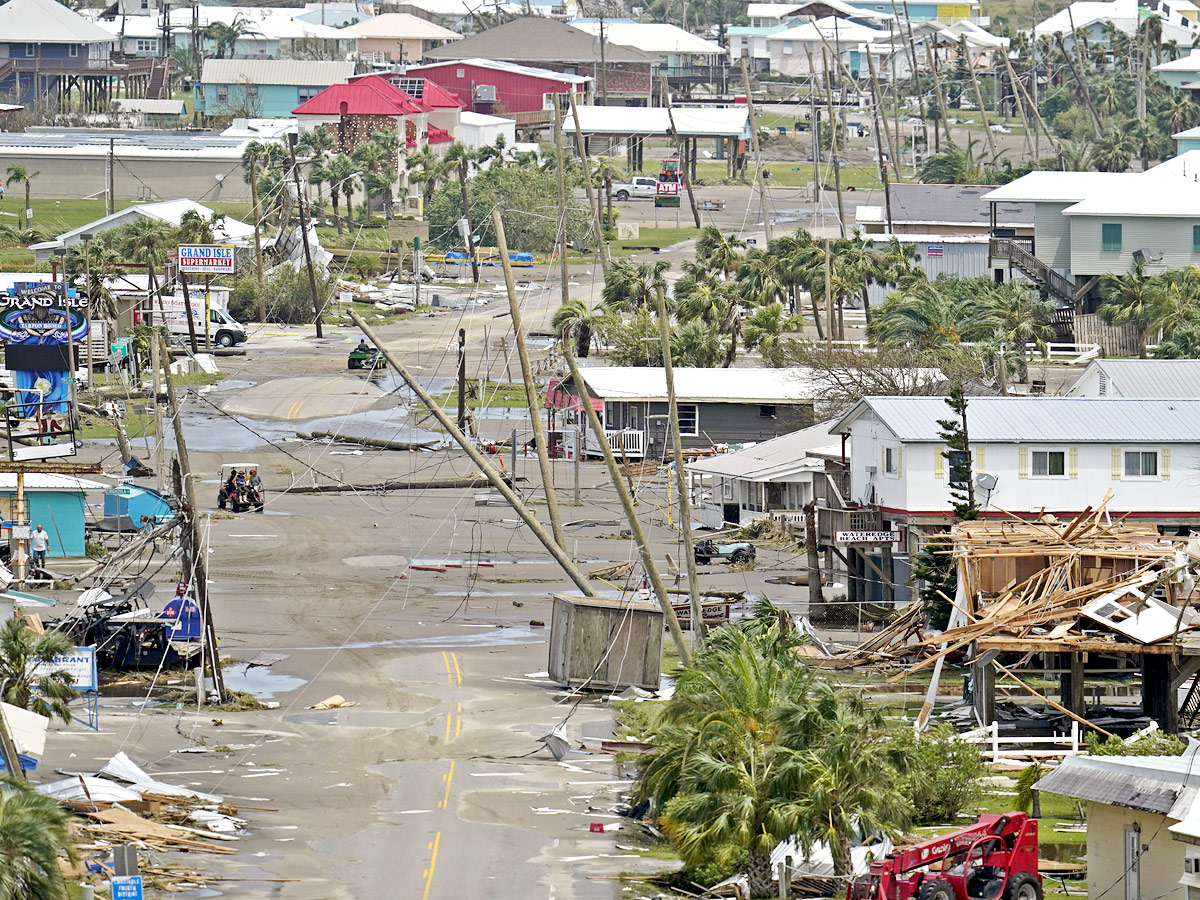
(1083, 585)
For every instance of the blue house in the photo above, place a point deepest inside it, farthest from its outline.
(267, 88)
(144, 506)
(45, 45)
(58, 503)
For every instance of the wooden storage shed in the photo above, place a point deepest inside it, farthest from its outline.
(605, 643)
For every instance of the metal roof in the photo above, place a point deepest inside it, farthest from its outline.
(314, 73)
(152, 107)
(42, 481)
(503, 65)
(1077, 420)
(1149, 194)
(830, 29)
(653, 120)
(124, 142)
(48, 22)
(1058, 187)
(649, 37)
(954, 204)
(400, 26)
(1145, 377)
(771, 459)
(534, 39)
(169, 211)
(369, 96)
(1154, 784)
(694, 385)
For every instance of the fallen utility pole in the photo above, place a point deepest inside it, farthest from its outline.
(192, 533)
(626, 498)
(539, 434)
(593, 200)
(685, 503)
(539, 531)
(687, 180)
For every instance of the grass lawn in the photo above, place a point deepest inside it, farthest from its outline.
(655, 237)
(494, 393)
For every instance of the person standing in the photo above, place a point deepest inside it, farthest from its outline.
(39, 543)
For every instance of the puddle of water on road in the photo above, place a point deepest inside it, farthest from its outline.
(232, 384)
(260, 681)
(523, 634)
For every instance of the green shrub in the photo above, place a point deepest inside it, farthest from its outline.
(944, 774)
(1155, 744)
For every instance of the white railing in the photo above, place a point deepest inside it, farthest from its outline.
(1022, 745)
(1065, 352)
(632, 441)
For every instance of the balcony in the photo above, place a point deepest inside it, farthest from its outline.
(629, 440)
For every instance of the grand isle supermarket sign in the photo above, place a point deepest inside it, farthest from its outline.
(206, 259)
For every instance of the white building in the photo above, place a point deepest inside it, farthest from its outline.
(1138, 379)
(803, 49)
(775, 477)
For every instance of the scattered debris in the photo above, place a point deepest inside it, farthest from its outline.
(337, 701)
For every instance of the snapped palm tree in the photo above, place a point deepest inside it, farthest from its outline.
(577, 321)
(604, 173)
(342, 173)
(22, 651)
(33, 829)
(21, 175)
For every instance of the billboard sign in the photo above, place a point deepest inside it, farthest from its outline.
(79, 663)
(207, 259)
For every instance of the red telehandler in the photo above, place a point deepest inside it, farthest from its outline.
(994, 859)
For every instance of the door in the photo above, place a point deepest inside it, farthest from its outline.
(774, 496)
(1133, 850)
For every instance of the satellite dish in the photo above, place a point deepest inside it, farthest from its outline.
(985, 482)
(142, 587)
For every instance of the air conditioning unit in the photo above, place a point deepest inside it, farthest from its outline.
(485, 92)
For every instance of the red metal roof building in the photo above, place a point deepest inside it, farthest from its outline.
(365, 105)
(502, 88)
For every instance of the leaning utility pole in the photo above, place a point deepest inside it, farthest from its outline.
(626, 498)
(258, 259)
(593, 200)
(531, 395)
(683, 168)
(473, 453)
(762, 187)
(312, 278)
(199, 568)
(685, 503)
(880, 116)
(563, 274)
(836, 128)
(987, 128)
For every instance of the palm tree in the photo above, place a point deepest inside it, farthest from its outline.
(254, 157)
(766, 326)
(746, 755)
(428, 170)
(21, 175)
(341, 172)
(22, 651)
(604, 173)
(1023, 316)
(1132, 298)
(761, 280)
(695, 345)
(719, 252)
(859, 262)
(1113, 151)
(1076, 156)
(225, 36)
(317, 145)
(147, 241)
(631, 285)
(460, 156)
(703, 298)
(372, 157)
(580, 322)
(33, 829)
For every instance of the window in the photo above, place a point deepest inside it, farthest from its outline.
(689, 419)
(891, 460)
(1110, 236)
(960, 467)
(72, 50)
(459, 73)
(1196, 238)
(787, 47)
(31, 49)
(222, 92)
(252, 90)
(766, 410)
(199, 92)
(1049, 463)
(145, 4)
(1141, 463)
(147, 45)
(727, 488)
(307, 93)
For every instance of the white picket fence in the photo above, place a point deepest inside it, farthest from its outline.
(991, 743)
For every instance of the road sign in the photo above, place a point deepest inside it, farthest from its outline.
(866, 537)
(126, 887)
(119, 492)
(206, 259)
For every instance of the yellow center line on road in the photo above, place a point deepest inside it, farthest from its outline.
(457, 670)
(437, 839)
(449, 719)
(446, 797)
(458, 724)
(446, 660)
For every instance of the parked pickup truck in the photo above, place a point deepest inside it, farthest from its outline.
(640, 188)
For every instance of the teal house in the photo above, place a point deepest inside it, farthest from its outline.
(59, 503)
(1186, 140)
(266, 88)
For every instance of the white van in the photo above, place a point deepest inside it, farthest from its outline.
(223, 329)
